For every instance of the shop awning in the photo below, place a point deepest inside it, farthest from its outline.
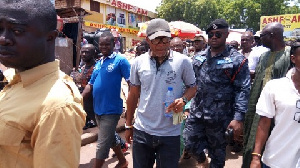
(180, 29)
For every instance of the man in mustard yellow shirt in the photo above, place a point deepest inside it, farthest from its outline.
(41, 113)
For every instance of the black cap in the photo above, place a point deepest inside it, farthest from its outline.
(217, 24)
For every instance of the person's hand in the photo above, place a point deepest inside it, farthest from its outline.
(129, 135)
(237, 127)
(176, 106)
(255, 163)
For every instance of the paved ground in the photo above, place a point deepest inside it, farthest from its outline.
(88, 154)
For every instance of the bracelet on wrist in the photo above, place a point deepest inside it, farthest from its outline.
(185, 100)
(128, 127)
(256, 154)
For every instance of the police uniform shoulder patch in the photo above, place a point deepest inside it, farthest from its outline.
(228, 59)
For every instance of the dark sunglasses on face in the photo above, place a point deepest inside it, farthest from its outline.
(164, 40)
(262, 35)
(216, 34)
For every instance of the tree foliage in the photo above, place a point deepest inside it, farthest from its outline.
(238, 13)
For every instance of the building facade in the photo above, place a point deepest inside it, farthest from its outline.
(90, 15)
(114, 14)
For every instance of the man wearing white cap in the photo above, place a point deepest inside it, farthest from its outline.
(199, 43)
(155, 138)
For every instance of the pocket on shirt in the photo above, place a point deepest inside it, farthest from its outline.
(146, 78)
(223, 102)
(9, 135)
(223, 73)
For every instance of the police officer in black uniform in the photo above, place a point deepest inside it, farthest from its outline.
(223, 81)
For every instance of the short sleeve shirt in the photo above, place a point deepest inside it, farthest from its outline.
(279, 100)
(154, 82)
(41, 119)
(106, 81)
(254, 57)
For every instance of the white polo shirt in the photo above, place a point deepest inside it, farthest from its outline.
(278, 100)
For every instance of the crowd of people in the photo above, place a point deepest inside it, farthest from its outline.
(248, 92)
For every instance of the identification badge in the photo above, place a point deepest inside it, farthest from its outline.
(224, 61)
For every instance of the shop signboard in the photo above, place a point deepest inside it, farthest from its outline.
(120, 29)
(128, 7)
(291, 22)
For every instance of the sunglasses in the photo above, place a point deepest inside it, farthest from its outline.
(217, 34)
(262, 35)
(297, 114)
(164, 40)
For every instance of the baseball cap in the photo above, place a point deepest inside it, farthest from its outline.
(158, 27)
(217, 24)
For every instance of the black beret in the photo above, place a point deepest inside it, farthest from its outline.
(217, 24)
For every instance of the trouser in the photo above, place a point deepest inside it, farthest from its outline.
(88, 108)
(150, 148)
(106, 137)
(200, 134)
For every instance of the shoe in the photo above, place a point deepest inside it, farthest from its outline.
(90, 124)
(93, 124)
(204, 164)
(85, 127)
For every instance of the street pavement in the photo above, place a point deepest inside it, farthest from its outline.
(88, 153)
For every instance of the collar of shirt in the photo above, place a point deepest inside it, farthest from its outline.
(32, 75)
(290, 73)
(224, 53)
(9, 74)
(170, 56)
(113, 55)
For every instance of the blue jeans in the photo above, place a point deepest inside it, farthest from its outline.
(106, 137)
(148, 148)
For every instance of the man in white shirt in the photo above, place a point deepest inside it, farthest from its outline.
(252, 53)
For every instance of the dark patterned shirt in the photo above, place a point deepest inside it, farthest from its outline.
(223, 85)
